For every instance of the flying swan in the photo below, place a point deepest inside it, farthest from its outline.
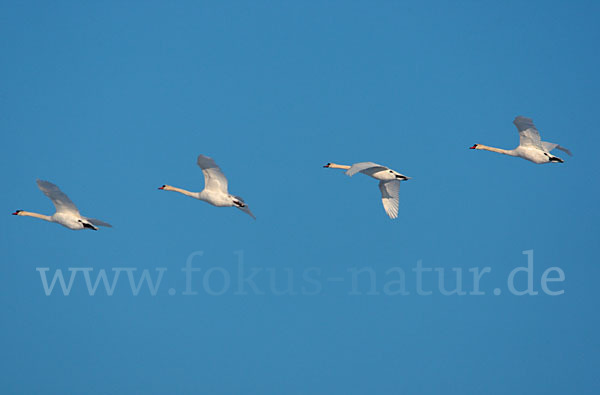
(531, 147)
(66, 213)
(215, 187)
(389, 182)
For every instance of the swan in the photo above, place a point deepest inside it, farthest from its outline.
(66, 214)
(389, 182)
(531, 147)
(215, 187)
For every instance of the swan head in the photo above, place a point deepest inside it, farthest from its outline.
(474, 146)
(336, 166)
(17, 212)
(166, 188)
(163, 187)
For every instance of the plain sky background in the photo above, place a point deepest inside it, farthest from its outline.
(110, 100)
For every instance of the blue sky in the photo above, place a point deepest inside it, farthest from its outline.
(110, 101)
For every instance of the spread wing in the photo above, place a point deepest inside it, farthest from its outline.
(550, 146)
(361, 166)
(529, 135)
(390, 198)
(214, 179)
(61, 201)
(97, 222)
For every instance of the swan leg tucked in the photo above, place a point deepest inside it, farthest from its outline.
(552, 158)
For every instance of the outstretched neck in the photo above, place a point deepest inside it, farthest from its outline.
(497, 150)
(36, 215)
(182, 191)
(336, 166)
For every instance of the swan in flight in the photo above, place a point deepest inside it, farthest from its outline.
(531, 146)
(66, 213)
(215, 187)
(389, 182)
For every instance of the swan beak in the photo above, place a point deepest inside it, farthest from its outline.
(473, 147)
(161, 187)
(15, 213)
(327, 165)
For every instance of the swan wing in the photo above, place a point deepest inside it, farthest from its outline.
(214, 179)
(362, 166)
(97, 222)
(528, 133)
(550, 146)
(61, 201)
(390, 197)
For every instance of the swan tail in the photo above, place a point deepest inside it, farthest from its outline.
(246, 210)
(239, 203)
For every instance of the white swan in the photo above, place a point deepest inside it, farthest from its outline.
(389, 183)
(531, 146)
(215, 187)
(66, 213)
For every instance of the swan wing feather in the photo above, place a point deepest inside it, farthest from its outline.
(550, 146)
(528, 133)
(214, 179)
(390, 197)
(61, 201)
(362, 166)
(98, 222)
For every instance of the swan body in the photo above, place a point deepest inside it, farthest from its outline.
(215, 187)
(389, 182)
(66, 214)
(531, 146)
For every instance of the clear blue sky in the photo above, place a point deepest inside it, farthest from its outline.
(112, 100)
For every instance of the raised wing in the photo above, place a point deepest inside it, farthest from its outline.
(97, 222)
(529, 135)
(61, 201)
(361, 166)
(390, 198)
(214, 179)
(550, 146)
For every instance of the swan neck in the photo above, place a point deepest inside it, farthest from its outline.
(336, 166)
(497, 150)
(36, 215)
(183, 191)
